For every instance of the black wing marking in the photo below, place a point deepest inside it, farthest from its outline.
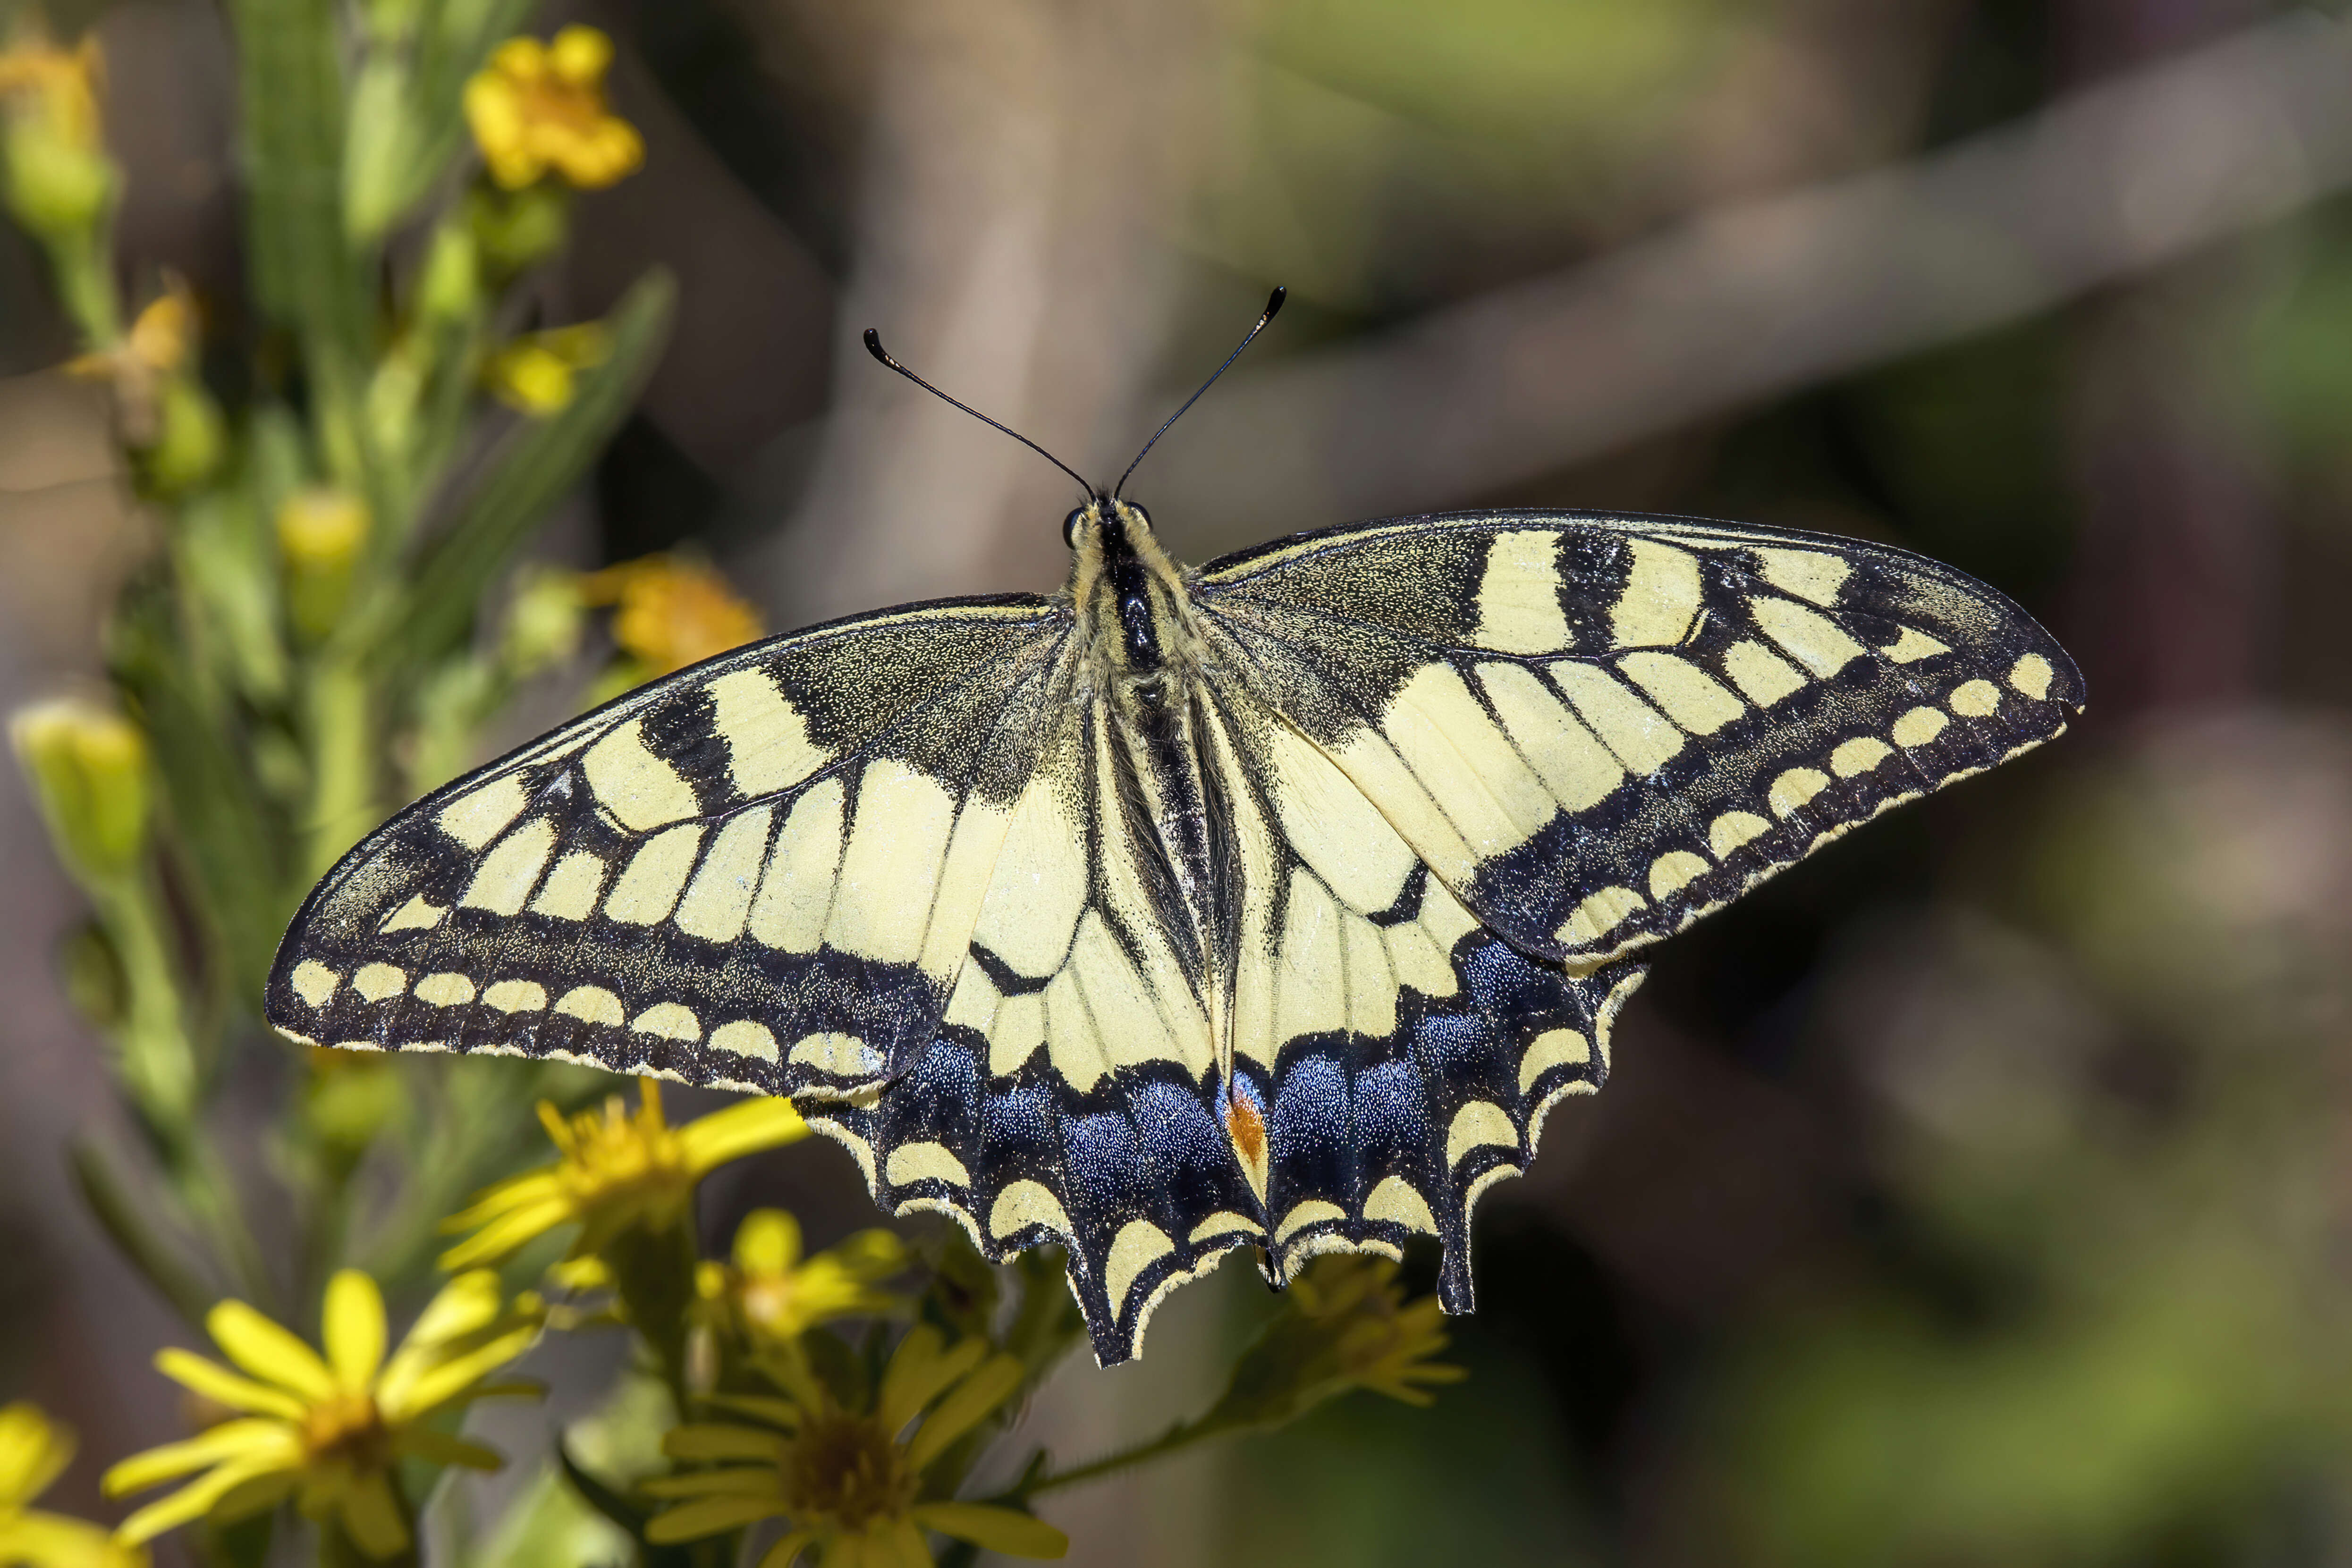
(1599, 728)
(1397, 1058)
(754, 872)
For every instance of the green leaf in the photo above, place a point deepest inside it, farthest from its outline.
(623, 1511)
(124, 1213)
(542, 462)
(304, 275)
(216, 804)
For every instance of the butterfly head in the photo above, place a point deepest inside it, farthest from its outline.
(1105, 523)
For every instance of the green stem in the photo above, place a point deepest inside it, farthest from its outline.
(652, 1273)
(343, 762)
(86, 284)
(201, 1180)
(155, 1061)
(154, 1056)
(125, 1218)
(1181, 1436)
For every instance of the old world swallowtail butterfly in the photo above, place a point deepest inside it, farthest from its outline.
(1270, 903)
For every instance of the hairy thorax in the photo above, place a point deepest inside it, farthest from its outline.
(1142, 650)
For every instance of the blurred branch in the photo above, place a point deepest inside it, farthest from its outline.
(1007, 241)
(1750, 300)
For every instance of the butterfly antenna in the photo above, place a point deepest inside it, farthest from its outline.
(874, 347)
(1273, 305)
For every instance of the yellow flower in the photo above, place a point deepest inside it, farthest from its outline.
(146, 362)
(59, 180)
(538, 107)
(771, 1294)
(33, 1450)
(1372, 1337)
(330, 1432)
(58, 86)
(320, 530)
(90, 774)
(672, 612)
(534, 374)
(850, 1484)
(617, 1171)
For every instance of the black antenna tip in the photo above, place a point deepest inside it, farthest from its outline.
(874, 345)
(1274, 301)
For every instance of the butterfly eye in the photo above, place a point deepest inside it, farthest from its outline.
(1070, 527)
(1141, 515)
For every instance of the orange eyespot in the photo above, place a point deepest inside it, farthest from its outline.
(1246, 1128)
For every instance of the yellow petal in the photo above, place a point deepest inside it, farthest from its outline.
(896, 1544)
(497, 1241)
(269, 1351)
(580, 55)
(740, 1129)
(918, 1370)
(736, 1480)
(781, 1413)
(217, 1382)
(353, 1325)
(436, 1386)
(52, 1540)
(966, 1408)
(372, 1516)
(717, 1440)
(33, 1449)
(466, 1304)
(767, 1242)
(515, 1192)
(1005, 1529)
(525, 59)
(782, 1553)
(870, 1255)
(237, 1443)
(193, 1500)
(710, 1516)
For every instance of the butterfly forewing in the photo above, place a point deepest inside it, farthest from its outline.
(760, 873)
(1597, 728)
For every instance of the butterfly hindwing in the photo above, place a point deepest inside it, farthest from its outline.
(1599, 728)
(1396, 1058)
(758, 872)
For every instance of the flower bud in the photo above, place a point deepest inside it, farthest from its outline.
(189, 438)
(449, 290)
(319, 533)
(534, 374)
(56, 189)
(544, 623)
(514, 229)
(90, 773)
(59, 180)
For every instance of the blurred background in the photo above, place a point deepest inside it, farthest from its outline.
(1977, 1192)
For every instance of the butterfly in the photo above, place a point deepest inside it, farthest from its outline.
(1269, 904)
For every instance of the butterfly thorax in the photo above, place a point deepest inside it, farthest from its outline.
(1139, 639)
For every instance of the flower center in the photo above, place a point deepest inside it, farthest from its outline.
(768, 1300)
(845, 1469)
(346, 1426)
(615, 1153)
(549, 101)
